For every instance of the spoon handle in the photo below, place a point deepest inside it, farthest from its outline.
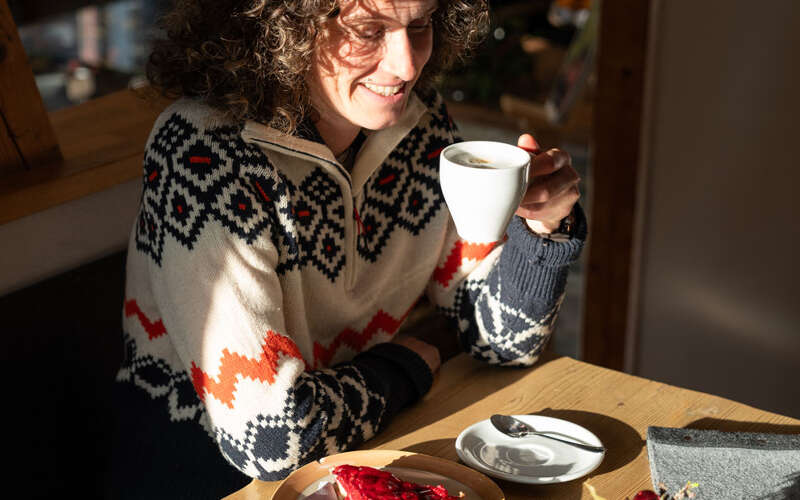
(587, 447)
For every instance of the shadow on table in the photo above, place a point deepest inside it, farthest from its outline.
(443, 448)
(719, 424)
(622, 442)
(485, 380)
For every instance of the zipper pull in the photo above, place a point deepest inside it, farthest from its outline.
(358, 220)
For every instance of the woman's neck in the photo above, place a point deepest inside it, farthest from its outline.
(338, 137)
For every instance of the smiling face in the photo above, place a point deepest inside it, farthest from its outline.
(371, 57)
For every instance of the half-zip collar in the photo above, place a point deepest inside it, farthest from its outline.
(269, 138)
(377, 146)
(381, 143)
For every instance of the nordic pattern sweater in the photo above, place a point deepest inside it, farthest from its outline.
(265, 281)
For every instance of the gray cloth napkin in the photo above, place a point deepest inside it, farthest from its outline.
(727, 465)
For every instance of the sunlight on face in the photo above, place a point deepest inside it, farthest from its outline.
(373, 54)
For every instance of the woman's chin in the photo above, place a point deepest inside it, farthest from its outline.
(377, 112)
(380, 119)
(379, 124)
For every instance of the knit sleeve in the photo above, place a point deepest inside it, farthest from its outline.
(209, 221)
(503, 298)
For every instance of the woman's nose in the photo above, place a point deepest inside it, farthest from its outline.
(398, 56)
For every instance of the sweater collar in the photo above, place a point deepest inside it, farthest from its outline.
(374, 151)
(380, 143)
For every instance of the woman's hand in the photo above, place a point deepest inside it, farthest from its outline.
(552, 187)
(428, 352)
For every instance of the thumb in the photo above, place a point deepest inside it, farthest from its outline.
(528, 143)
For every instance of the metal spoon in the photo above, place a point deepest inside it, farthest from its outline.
(516, 428)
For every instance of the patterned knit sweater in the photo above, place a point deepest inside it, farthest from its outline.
(265, 281)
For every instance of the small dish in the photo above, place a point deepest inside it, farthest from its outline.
(406, 465)
(532, 459)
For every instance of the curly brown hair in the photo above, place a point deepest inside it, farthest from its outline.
(250, 58)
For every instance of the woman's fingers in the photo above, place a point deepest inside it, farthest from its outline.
(548, 162)
(544, 187)
(553, 210)
(528, 143)
(552, 187)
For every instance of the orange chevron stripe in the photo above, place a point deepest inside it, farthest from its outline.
(355, 340)
(153, 329)
(461, 250)
(233, 365)
(264, 368)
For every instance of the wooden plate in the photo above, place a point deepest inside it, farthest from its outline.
(305, 477)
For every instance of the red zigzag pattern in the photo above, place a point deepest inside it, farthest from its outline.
(153, 329)
(461, 250)
(356, 340)
(265, 367)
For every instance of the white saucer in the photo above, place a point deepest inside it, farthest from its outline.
(530, 460)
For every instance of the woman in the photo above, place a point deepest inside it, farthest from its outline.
(291, 216)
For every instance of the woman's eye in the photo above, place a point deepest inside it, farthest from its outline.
(369, 32)
(421, 25)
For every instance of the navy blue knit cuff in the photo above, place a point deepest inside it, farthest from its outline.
(548, 252)
(412, 364)
(536, 265)
(399, 374)
(387, 380)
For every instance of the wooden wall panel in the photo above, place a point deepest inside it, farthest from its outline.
(26, 127)
(103, 143)
(616, 130)
(9, 154)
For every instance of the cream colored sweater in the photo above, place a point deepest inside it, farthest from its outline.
(264, 282)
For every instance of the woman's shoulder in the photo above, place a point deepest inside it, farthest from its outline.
(195, 144)
(200, 178)
(196, 115)
(190, 130)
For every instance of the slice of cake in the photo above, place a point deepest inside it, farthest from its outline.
(367, 483)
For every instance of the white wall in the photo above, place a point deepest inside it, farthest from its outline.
(61, 238)
(719, 293)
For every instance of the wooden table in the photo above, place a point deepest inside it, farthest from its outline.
(615, 406)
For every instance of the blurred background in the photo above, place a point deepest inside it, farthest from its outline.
(79, 50)
(679, 116)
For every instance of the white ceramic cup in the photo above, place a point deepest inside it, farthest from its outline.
(483, 183)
